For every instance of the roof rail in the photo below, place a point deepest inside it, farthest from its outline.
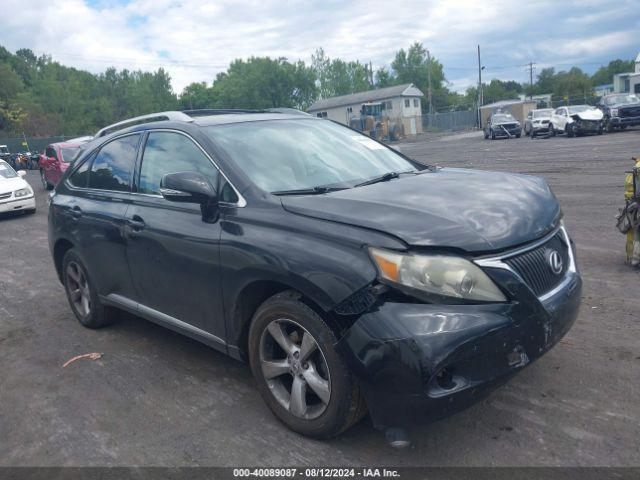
(203, 112)
(152, 117)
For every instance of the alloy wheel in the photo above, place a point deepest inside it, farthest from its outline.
(78, 287)
(295, 369)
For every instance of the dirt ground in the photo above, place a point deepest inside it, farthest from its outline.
(157, 398)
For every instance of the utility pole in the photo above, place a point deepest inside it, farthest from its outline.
(429, 81)
(479, 89)
(531, 65)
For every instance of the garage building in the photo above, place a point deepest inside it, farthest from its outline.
(401, 103)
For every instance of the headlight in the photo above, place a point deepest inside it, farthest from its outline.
(614, 112)
(442, 275)
(23, 192)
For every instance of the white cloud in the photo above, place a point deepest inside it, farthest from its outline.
(195, 39)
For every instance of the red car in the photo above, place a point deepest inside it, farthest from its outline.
(56, 159)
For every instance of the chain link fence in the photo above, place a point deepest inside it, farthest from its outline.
(17, 144)
(447, 121)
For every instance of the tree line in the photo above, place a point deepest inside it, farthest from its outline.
(41, 97)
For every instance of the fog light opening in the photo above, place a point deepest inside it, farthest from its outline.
(444, 379)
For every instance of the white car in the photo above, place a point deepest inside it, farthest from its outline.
(15, 192)
(576, 120)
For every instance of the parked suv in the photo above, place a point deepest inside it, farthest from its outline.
(349, 276)
(537, 121)
(576, 120)
(502, 125)
(621, 110)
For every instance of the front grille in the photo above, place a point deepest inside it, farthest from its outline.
(534, 266)
(590, 124)
(4, 196)
(630, 112)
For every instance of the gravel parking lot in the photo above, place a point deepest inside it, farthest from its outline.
(157, 398)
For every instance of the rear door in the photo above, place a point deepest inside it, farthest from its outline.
(173, 254)
(100, 190)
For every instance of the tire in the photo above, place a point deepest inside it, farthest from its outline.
(568, 131)
(609, 127)
(552, 131)
(518, 135)
(486, 135)
(278, 371)
(82, 295)
(45, 184)
(30, 211)
(493, 135)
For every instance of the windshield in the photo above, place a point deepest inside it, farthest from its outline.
(68, 154)
(503, 118)
(542, 113)
(6, 171)
(579, 108)
(281, 155)
(622, 99)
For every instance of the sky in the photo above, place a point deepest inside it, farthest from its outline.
(195, 39)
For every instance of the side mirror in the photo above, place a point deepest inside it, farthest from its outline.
(22, 173)
(187, 187)
(191, 187)
(52, 159)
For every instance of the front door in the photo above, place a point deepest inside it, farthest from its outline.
(173, 254)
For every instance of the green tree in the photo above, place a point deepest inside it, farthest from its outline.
(604, 75)
(338, 77)
(263, 82)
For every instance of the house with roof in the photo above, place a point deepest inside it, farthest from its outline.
(628, 82)
(400, 103)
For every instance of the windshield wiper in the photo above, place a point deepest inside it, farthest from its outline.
(382, 178)
(308, 191)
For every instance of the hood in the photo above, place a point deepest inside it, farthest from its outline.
(506, 122)
(471, 210)
(12, 184)
(593, 114)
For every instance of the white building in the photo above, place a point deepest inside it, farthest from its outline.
(401, 103)
(628, 82)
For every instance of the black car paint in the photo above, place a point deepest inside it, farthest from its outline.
(209, 276)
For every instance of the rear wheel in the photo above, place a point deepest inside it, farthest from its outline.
(300, 375)
(82, 295)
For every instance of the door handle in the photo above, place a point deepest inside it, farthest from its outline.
(76, 213)
(136, 224)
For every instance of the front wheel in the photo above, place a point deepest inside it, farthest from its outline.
(300, 375)
(552, 131)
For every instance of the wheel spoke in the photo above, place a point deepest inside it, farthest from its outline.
(278, 334)
(298, 402)
(85, 304)
(275, 368)
(318, 384)
(75, 294)
(308, 346)
(71, 272)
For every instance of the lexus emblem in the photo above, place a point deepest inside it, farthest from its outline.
(555, 261)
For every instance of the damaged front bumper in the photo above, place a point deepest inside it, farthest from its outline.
(420, 362)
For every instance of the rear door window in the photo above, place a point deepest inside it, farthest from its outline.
(170, 152)
(113, 165)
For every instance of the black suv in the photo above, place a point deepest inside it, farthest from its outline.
(502, 125)
(621, 110)
(351, 277)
